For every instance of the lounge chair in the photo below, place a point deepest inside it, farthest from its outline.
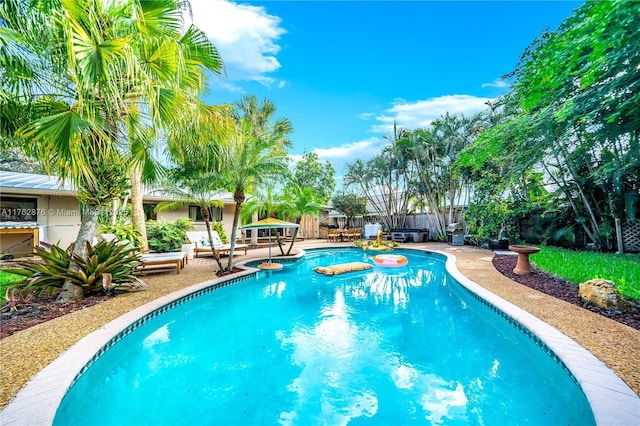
(178, 259)
(201, 243)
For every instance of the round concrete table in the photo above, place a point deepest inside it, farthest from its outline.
(269, 266)
(523, 267)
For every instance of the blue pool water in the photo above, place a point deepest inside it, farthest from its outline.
(382, 346)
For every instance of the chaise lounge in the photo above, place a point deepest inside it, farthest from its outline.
(177, 259)
(201, 243)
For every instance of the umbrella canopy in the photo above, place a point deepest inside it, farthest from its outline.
(269, 223)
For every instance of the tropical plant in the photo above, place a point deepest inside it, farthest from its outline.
(385, 182)
(245, 163)
(433, 151)
(97, 76)
(123, 232)
(258, 118)
(219, 228)
(298, 202)
(110, 267)
(572, 114)
(167, 237)
(191, 183)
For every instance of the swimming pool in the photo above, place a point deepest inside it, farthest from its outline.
(611, 400)
(379, 346)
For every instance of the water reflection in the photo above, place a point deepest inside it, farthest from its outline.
(344, 359)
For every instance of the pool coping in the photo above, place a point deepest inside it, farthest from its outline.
(612, 401)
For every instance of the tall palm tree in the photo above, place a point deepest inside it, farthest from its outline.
(246, 162)
(101, 74)
(260, 116)
(175, 62)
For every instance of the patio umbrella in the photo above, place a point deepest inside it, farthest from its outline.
(269, 223)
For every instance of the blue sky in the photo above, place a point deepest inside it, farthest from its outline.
(344, 71)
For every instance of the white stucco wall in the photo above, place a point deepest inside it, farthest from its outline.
(59, 222)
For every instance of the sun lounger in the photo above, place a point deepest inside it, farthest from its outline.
(201, 243)
(177, 259)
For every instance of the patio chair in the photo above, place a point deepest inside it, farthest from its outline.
(333, 235)
(201, 243)
(354, 234)
(178, 259)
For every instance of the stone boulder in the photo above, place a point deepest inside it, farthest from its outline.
(603, 294)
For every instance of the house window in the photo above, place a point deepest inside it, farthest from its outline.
(215, 214)
(149, 211)
(14, 209)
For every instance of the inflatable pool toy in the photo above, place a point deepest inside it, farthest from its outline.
(342, 268)
(378, 245)
(390, 260)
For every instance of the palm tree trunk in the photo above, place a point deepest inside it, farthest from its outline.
(234, 230)
(114, 212)
(254, 233)
(293, 240)
(207, 224)
(137, 211)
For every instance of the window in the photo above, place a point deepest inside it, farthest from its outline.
(215, 214)
(16, 209)
(149, 211)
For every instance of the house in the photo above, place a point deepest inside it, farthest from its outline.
(36, 208)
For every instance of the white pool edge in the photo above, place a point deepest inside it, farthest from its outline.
(612, 401)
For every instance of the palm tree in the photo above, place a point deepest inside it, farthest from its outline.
(246, 162)
(102, 75)
(263, 125)
(173, 69)
(187, 187)
(298, 202)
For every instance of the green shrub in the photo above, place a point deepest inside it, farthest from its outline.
(109, 267)
(166, 237)
(123, 232)
(217, 226)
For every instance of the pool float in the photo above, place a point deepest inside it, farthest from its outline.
(379, 245)
(342, 268)
(390, 260)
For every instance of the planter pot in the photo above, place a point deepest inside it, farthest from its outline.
(499, 244)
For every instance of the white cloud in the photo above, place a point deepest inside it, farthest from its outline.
(347, 153)
(496, 83)
(367, 148)
(246, 37)
(413, 115)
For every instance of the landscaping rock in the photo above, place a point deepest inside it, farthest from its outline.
(603, 294)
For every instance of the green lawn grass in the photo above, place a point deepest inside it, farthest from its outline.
(6, 279)
(580, 266)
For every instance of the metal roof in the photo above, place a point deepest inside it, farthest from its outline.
(14, 181)
(19, 225)
(29, 183)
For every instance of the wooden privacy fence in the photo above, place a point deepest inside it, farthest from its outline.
(417, 220)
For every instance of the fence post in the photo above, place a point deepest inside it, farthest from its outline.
(619, 236)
